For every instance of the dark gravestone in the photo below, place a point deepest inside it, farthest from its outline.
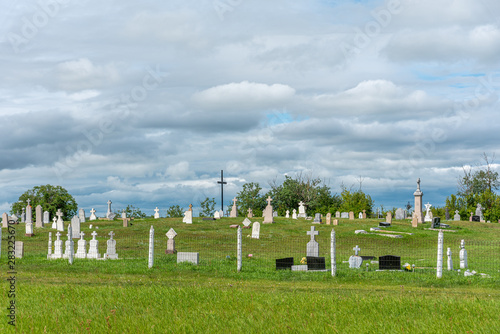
(366, 258)
(315, 263)
(389, 262)
(447, 214)
(384, 224)
(436, 222)
(208, 218)
(476, 218)
(285, 263)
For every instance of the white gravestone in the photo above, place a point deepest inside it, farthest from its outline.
(302, 210)
(124, 214)
(450, 261)
(81, 251)
(75, 226)
(93, 247)
(250, 213)
(268, 212)
(355, 261)
(463, 255)
(171, 234)
(317, 218)
(29, 214)
(400, 214)
(67, 249)
(287, 214)
(157, 213)
(29, 229)
(58, 247)
(110, 215)
(217, 215)
(456, 217)
(60, 222)
(111, 248)
(294, 214)
(23, 216)
(256, 230)
(92, 215)
(234, 209)
(246, 222)
(360, 215)
(439, 269)
(19, 249)
(188, 217)
(479, 212)
(151, 255)
(46, 218)
(49, 253)
(344, 215)
(54, 223)
(312, 245)
(38, 216)
(428, 217)
(337, 214)
(81, 215)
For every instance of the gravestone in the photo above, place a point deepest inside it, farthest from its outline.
(110, 215)
(38, 216)
(60, 222)
(450, 261)
(287, 214)
(111, 248)
(81, 251)
(388, 218)
(337, 214)
(312, 245)
(19, 249)
(54, 222)
(246, 223)
(479, 212)
(400, 214)
(157, 213)
(285, 263)
(23, 216)
(384, 224)
(315, 263)
(302, 210)
(439, 266)
(29, 214)
(268, 212)
(389, 262)
(344, 215)
(68, 249)
(355, 260)
(171, 234)
(126, 221)
(418, 194)
(188, 217)
(328, 218)
(294, 214)
(151, 253)
(447, 214)
(250, 213)
(360, 215)
(93, 247)
(275, 214)
(46, 218)
(124, 214)
(414, 220)
(29, 229)
(317, 218)
(476, 218)
(5, 220)
(456, 217)
(49, 254)
(75, 226)
(436, 222)
(428, 217)
(463, 255)
(234, 209)
(190, 257)
(335, 222)
(58, 247)
(351, 215)
(256, 230)
(92, 215)
(216, 215)
(364, 214)
(81, 215)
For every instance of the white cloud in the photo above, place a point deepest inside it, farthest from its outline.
(82, 74)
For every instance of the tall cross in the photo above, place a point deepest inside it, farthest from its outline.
(356, 250)
(94, 234)
(312, 233)
(235, 200)
(222, 183)
(111, 234)
(269, 199)
(29, 202)
(59, 213)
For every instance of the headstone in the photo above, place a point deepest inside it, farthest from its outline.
(250, 213)
(54, 222)
(418, 202)
(388, 218)
(81, 215)
(111, 248)
(75, 226)
(60, 222)
(328, 218)
(191, 257)
(317, 218)
(463, 255)
(302, 210)
(157, 213)
(92, 215)
(479, 212)
(351, 215)
(68, 249)
(94, 247)
(414, 220)
(23, 216)
(275, 214)
(256, 230)
(447, 214)
(285, 263)
(124, 214)
(58, 247)
(268, 212)
(294, 214)
(471, 215)
(217, 215)
(287, 214)
(344, 215)
(171, 234)
(456, 217)
(439, 269)
(29, 213)
(312, 245)
(436, 222)
(19, 249)
(384, 224)
(476, 218)
(110, 215)
(389, 262)
(335, 222)
(300, 267)
(364, 214)
(333, 253)
(315, 263)
(14, 218)
(247, 223)
(81, 251)
(428, 217)
(38, 216)
(360, 215)
(355, 260)
(400, 214)
(29, 229)
(337, 214)
(46, 218)
(188, 217)
(49, 254)
(234, 209)
(151, 254)
(450, 261)
(5, 220)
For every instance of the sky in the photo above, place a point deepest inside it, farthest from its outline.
(145, 102)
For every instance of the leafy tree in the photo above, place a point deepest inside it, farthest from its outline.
(207, 207)
(50, 197)
(175, 211)
(356, 201)
(132, 211)
(250, 197)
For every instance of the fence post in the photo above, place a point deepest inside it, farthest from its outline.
(151, 247)
(439, 270)
(238, 255)
(333, 253)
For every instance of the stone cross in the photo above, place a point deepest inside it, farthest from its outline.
(94, 234)
(81, 235)
(59, 214)
(171, 233)
(92, 211)
(28, 202)
(222, 183)
(111, 234)
(157, 210)
(58, 235)
(312, 233)
(235, 200)
(356, 250)
(427, 207)
(269, 199)
(418, 184)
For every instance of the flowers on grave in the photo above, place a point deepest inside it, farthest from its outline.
(250, 255)
(303, 261)
(407, 267)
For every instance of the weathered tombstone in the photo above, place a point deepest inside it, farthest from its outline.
(344, 215)
(188, 216)
(191, 257)
(81, 251)
(285, 263)
(389, 262)
(447, 214)
(5, 220)
(216, 215)
(125, 221)
(171, 234)
(312, 245)
(400, 214)
(246, 223)
(328, 218)
(388, 218)
(335, 222)
(294, 214)
(60, 222)
(58, 247)
(333, 253)
(287, 214)
(471, 215)
(38, 216)
(151, 253)
(67, 251)
(92, 215)
(234, 209)
(317, 218)
(414, 220)
(355, 260)
(29, 213)
(19, 249)
(364, 214)
(111, 248)
(256, 230)
(250, 213)
(456, 217)
(29, 229)
(81, 215)
(93, 247)
(302, 210)
(268, 212)
(418, 194)
(450, 261)
(49, 254)
(157, 213)
(75, 226)
(337, 214)
(110, 215)
(428, 217)
(351, 215)
(46, 218)
(463, 255)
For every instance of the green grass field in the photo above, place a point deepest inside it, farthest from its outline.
(124, 296)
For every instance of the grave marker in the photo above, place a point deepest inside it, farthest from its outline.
(111, 248)
(171, 234)
(463, 255)
(81, 215)
(294, 214)
(456, 217)
(58, 247)
(38, 216)
(418, 203)
(46, 218)
(250, 213)
(81, 251)
(256, 230)
(5, 220)
(191, 257)
(268, 212)
(60, 222)
(389, 262)
(92, 215)
(151, 254)
(355, 260)
(312, 245)
(328, 218)
(157, 213)
(19, 249)
(302, 210)
(75, 226)
(317, 218)
(93, 247)
(234, 209)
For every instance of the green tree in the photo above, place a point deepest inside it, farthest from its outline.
(175, 211)
(50, 198)
(356, 201)
(207, 207)
(132, 211)
(250, 198)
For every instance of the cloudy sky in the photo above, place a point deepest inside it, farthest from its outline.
(144, 102)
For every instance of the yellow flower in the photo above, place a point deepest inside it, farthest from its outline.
(303, 261)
